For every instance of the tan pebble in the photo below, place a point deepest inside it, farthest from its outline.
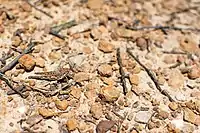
(163, 114)
(96, 34)
(31, 82)
(54, 55)
(190, 104)
(58, 42)
(16, 73)
(191, 117)
(197, 105)
(161, 79)
(103, 29)
(136, 90)
(92, 86)
(142, 43)
(40, 62)
(173, 106)
(72, 124)
(75, 92)
(96, 110)
(110, 93)
(105, 70)
(87, 50)
(46, 113)
(194, 72)
(81, 76)
(26, 7)
(108, 81)
(95, 4)
(21, 71)
(61, 105)
(105, 46)
(37, 49)
(169, 59)
(136, 70)
(134, 79)
(91, 94)
(66, 49)
(16, 41)
(27, 62)
(122, 32)
(176, 79)
(155, 102)
(76, 36)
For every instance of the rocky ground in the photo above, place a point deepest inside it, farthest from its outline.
(126, 66)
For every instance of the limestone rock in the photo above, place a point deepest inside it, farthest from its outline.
(27, 62)
(142, 116)
(105, 70)
(96, 110)
(46, 113)
(105, 46)
(110, 93)
(61, 105)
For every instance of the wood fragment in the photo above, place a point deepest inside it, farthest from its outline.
(122, 73)
(174, 52)
(15, 61)
(151, 75)
(163, 28)
(40, 10)
(9, 83)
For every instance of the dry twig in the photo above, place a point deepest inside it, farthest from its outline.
(15, 61)
(9, 83)
(119, 60)
(151, 75)
(163, 28)
(38, 9)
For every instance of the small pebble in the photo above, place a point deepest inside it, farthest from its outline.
(61, 105)
(105, 70)
(110, 93)
(40, 62)
(134, 79)
(46, 113)
(173, 106)
(96, 110)
(81, 76)
(142, 117)
(142, 43)
(105, 46)
(27, 62)
(75, 92)
(72, 124)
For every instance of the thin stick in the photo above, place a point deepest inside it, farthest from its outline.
(163, 28)
(38, 9)
(122, 73)
(174, 52)
(15, 61)
(9, 83)
(151, 75)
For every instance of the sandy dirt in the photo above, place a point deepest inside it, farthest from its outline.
(97, 66)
